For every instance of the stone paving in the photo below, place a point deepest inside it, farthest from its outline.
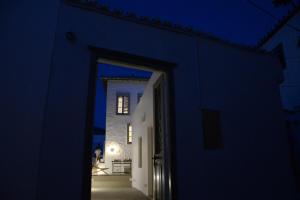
(118, 194)
(114, 188)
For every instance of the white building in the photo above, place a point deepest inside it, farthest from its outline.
(129, 127)
(143, 147)
(122, 96)
(207, 79)
(284, 41)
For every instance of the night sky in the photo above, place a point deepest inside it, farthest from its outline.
(234, 20)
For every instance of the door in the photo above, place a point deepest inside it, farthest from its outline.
(158, 158)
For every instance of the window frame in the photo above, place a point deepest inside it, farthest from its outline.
(212, 129)
(129, 125)
(122, 94)
(140, 152)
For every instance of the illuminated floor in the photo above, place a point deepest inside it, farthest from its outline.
(117, 194)
(114, 188)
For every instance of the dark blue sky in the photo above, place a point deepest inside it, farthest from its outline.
(234, 20)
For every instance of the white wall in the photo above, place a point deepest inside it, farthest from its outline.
(240, 83)
(142, 123)
(27, 36)
(116, 125)
(290, 88)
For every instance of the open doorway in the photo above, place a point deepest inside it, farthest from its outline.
(131, 158)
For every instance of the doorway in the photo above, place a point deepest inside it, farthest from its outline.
(150, 163)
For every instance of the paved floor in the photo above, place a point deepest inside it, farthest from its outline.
(117, 194)
(114, 188)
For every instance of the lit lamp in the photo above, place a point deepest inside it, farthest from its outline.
(114, 148)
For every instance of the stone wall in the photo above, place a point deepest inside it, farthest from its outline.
(116, 125)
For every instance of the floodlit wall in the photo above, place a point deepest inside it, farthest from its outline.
(290, 88)
(142, 123)
(116, 125)
(239, 83)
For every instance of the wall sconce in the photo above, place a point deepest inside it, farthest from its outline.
(113, 148)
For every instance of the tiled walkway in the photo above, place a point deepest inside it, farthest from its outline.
(114, 188)
(117, 194)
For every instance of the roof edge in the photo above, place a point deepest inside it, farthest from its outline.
(123, 78)
(280, 24)
(157, 23)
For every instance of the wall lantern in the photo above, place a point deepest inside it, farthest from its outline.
(113, 148)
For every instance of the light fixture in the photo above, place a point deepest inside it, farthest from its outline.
(113, 148)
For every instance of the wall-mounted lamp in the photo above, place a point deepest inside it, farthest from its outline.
(113, 148)
(71, 37)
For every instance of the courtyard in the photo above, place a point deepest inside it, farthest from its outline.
(110, 187)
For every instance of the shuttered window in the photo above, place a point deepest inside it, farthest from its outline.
(129, 133)
(211, 125)
(140, 152)
(123, 102)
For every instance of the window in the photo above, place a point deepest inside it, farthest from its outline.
(279, 52)
(139, 95)
(212, 129)
(140, 152)
(129, 133)
(123, 103)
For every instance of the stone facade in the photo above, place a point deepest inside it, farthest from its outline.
(116, 146)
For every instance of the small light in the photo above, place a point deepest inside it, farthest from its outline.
(113, 148)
